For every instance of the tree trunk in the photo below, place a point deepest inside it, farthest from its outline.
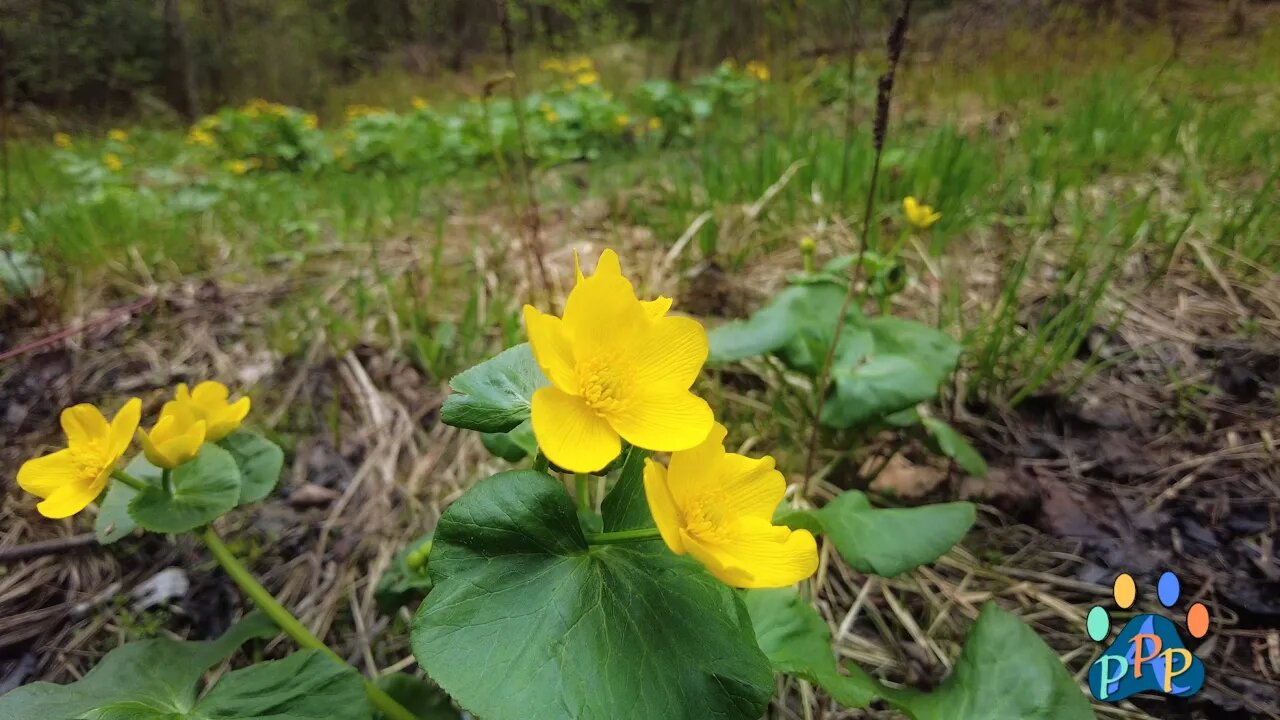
(180, 80)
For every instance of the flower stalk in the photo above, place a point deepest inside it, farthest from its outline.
(583, 487)
(131, 481)
(288, 623)
(623, 536)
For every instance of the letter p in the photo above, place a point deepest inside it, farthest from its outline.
(1169, 672)
(1112, 669)
(1139, 656)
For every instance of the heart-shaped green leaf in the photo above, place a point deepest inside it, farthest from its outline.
(259, 460)
(797, 641)
(626, 507)
(886, 541)
(494, 396)
(203, 489)
(143, 680)
(1005, 672)
(525, 620)
(945, 440)
(307, 685)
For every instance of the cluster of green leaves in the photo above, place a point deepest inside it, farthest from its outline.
(633, 631)
(239, 469)
(262, 135)
(160, 680)
(883, 369)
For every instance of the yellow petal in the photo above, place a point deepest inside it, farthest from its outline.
(718, 562)
(84, 425)
(123, 425)
(570, 433)
(662, 506)
(663, 421)
(71, 499)
(43, 476)
(690, 470)
(210, 395)
(673, 355)
(608, 264)
(577, 268)
(227, 420)
(752, 553)
(551, 348)
(603, 316)
(909, 207)
(656, 308)
(746, 487)
(184, 448)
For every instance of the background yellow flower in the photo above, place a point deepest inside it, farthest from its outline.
(920, 216)
(209, 402)
(176, 437)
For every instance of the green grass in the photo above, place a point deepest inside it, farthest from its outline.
(1072, 159)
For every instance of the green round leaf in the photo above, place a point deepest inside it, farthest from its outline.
(797, 641)
(886, 541)
(525, 620)
(113, 521)
(308, 685)
(203, 489)
(259, 460)
(1005, 672)
(495, 395)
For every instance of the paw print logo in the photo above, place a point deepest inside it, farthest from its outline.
(1148, 654)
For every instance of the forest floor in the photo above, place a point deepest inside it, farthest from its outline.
(1149, 446)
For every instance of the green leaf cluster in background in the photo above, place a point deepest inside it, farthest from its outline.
(241, 468)
(159, 680)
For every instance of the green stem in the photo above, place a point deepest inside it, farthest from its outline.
(540, 462)
(584, 492)
(290, 624)
(623, 536)
(166, 481)
(130, 480)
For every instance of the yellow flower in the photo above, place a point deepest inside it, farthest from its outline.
(718, 507)
(199, 136)
(113, 162)
(237, 167)
(920, 216)
(619, 369)
(70, 479)
(621, 120)
(174, 439)
(582, 63)
(310, 121)
(118, 135)
(552, 65)
(590, 77)
(419, 103)
(62, 140)
(758, 70)
(208, 402)
(551, 116)
(655, 123)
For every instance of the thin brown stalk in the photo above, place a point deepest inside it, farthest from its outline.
(534, 246)
(884, 96)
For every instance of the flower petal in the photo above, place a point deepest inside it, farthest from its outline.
(123, 426)
(656, 308)
(608, 264)
(673, 354)
(210, 394)
(551, 348)
(71, 499)
(226, 419)
(183, 448)
(43, 476)
(690, 470)
(663, 421)
(570, 433)
(662, 506)
(756, 554)
(603, 316)
(84, 425)
(748, 487)
(718, 562)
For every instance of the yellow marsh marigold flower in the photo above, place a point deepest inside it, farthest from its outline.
(655, 123)
(419, 103)
(209, 402)
(590, 77)
(118, 135)
(113, 162)
(621, 120)
(174, 439)
(552, 65)
(718, 507)
(200, 137)
(70, 479)
(920, 216)
(619, 369)
(310, 121)
(62, 140)
(551, 116)
(237, 167)
(757, 70)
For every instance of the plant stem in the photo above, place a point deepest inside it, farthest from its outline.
(540, 462)
(623, 536)
(581, 480)
(166, 481)
(290, 624)
(130, 480)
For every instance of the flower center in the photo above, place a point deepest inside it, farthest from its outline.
(602, 383)
(90, 459)
(701, 519)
